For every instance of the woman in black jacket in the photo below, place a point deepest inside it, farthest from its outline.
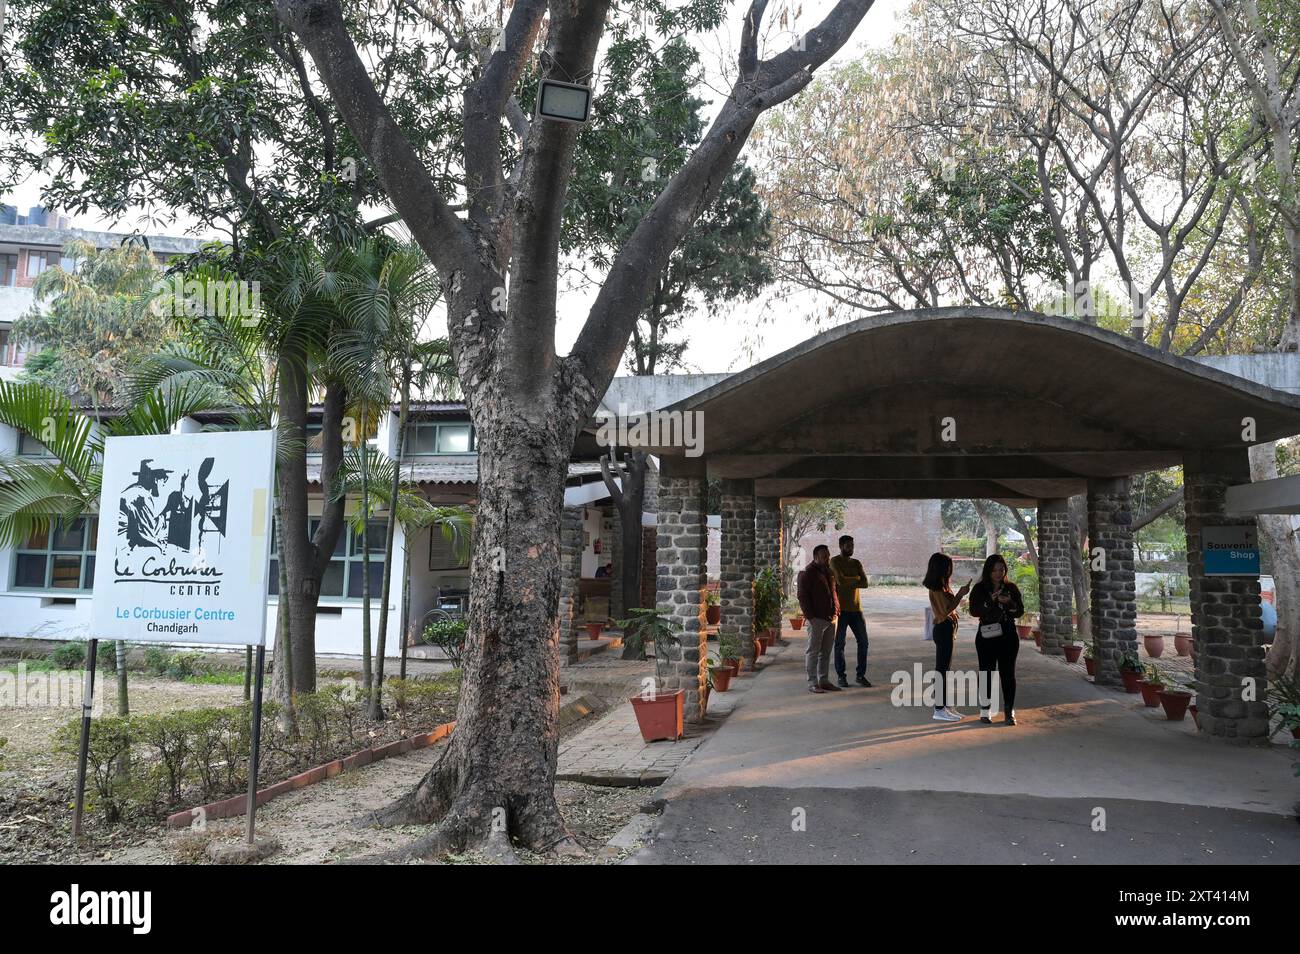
(995, 602)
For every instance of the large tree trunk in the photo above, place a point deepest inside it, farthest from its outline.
(1280, 530)
(498, 771)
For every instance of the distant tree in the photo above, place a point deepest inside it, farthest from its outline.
(93, 321)
(800, 519)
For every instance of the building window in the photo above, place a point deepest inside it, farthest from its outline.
(457, 438)
(29, 446)
(38, 261)
(8, 270)
(60, 558)
(343, 577)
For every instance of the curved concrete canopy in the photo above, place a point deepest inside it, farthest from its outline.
(1035, 404)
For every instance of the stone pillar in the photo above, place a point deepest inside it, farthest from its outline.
(570, 573)
(1228, 636)
(737, 571)
(1113, 597)
(1055, 586)
(616, 608)
(682, 537)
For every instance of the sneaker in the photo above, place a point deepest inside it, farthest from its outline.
(943, 715)
(1010, 719)
(954, 712)
(986, 720)
(864, 682)
(829, 686)
(813, 687)
(844, 683)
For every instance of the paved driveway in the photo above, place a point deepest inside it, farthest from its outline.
(1089, 775)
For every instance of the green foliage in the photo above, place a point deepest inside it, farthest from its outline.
(1090, 650)
(1154, 677)
(1129, 662)
(650, 627)
(729, 646)
(767, 599)
(72, 655)
(1026, 579)
(93, 322)
(449, 636)
(1282, 692)
(712, 598)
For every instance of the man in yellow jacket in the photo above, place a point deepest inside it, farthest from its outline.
(850, 581)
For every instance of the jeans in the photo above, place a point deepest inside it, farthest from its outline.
(945, 634)
(998, 653)
(817, 657)
(853, 620)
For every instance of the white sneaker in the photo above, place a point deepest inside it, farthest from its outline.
(952, 711)
(943, 715)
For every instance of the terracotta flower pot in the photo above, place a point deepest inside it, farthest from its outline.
(1038, 638)
(1175, 703)
(760, 646)
(659, 717)
(721, 677)
(796, 622)
(1132, 680)
(1072, 652)
(1195, 717)
(1024, 630)
(773, 635)
(734, 665)
(1155, 644)
(712, 615)
(1150, 693)
(1090, 664)
(593, 630)
(1183, 644)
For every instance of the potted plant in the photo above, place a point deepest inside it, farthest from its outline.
(658, 713)
(1090, 658)
(767, 602)
(719, 673)
(1284, 692)
(1175, 699)
(1154, 643)
(1182, 641)
(594, 629)
(1072, 651)
(729, 651)
(1151, 686)
(1038, 638)
(796, 621)
(712, 607)
(1024, 629)
(1130, 671)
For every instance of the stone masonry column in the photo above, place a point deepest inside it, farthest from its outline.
(1055, 588)
(1228, 636)
(737, 571)
(683, 537)
(570, 573)
(1114, 597)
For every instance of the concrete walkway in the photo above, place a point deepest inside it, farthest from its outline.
(973, 787)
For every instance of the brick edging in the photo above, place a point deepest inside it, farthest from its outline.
(236, 805)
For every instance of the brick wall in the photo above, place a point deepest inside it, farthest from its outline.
(891, 537)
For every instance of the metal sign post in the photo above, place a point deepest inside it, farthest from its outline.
(87, 702)
(255, 753)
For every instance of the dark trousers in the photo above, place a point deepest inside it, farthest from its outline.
(998, 653)
(851, 620)
(945, 634)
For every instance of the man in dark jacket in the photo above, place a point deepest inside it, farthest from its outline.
(820, 606)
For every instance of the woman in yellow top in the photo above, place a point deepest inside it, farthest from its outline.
(943, 605)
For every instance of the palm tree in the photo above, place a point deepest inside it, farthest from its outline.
(387, 292)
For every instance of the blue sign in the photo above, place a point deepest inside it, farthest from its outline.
(1230, 551)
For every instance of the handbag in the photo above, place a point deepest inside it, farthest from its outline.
(989, 630)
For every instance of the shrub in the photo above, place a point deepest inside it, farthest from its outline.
(183, 665)
(1026, 579)
(156, 659)
(110, 739)
(449, 636)
(71, 655)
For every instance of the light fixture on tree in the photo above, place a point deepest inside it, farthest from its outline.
(565, 102)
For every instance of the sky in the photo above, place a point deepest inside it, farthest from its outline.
(725, 340)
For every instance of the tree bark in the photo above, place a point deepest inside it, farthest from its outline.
(1280, 529)
(500, 763)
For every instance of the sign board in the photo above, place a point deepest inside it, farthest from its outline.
(1230, 551)
(184, 538)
